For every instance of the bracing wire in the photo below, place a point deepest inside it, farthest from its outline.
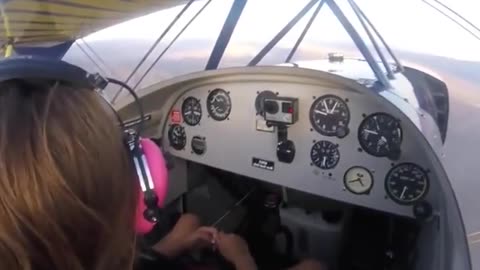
(154, 45)
(452, 19)
(97, 56)
(304, 32)
(170, 44)
(273, 42)
(458, 15)
(91, 58)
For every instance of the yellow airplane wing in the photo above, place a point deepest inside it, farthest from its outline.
(28, 21)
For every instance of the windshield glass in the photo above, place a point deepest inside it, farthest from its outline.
(416, 30)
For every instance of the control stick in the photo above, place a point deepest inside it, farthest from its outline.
(285, 147)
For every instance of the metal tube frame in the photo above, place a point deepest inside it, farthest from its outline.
(372, 39)
(384, 43)
(225, 34)
(382, 78)
(304, 32)
(281, 34)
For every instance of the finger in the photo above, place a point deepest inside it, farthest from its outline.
(207, 239)
(211, 230)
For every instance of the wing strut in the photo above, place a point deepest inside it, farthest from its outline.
(225, 34)
(154, 45)
(383, 80)
(389, 50)
(281, 34)
(170, 44)
(356, 10)
(304, 32)
(362, 47)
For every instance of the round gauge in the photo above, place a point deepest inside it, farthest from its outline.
(406, 183)
(329, 116)
(325, 155)
(191, 111)
(380, 135)
(219, 104)
(177, 137)
(358, 180)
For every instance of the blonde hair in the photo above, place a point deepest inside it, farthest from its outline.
(67, 195)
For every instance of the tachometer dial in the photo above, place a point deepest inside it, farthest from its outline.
(325, 155)
(329, 116)
(407, 183)
(177, 137)
(191, 111)
(219, 104)
(358, 180)
(380, 135)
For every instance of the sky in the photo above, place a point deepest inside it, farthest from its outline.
(409, 25)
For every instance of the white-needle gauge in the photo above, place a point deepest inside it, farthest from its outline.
(329, 116)
(191, 111)
(219, 104)
(358, 180)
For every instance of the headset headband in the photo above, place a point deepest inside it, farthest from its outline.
(29, 67)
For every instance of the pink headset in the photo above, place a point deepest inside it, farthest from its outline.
(151, 170)
(150, 166)
(157, 180)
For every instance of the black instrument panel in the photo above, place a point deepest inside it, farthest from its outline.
(345, 145)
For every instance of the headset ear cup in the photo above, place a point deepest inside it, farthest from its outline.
(158, 169)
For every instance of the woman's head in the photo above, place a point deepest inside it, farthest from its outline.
(67, 195)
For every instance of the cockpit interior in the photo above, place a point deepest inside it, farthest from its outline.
(343, 159)
(320, 166)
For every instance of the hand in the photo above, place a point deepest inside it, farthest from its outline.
(173, 245)
(185, 226)
(203, 237)
(175, 242)
(235, 250)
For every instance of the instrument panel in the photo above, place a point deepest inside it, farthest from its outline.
(343, 144)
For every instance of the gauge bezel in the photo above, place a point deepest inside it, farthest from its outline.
(402, 202)
(229, 101)
(175, 146)
(183, 111)
(366, 192)
(312, 118)
(360, 128)
(338, 152)
(192, 145)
